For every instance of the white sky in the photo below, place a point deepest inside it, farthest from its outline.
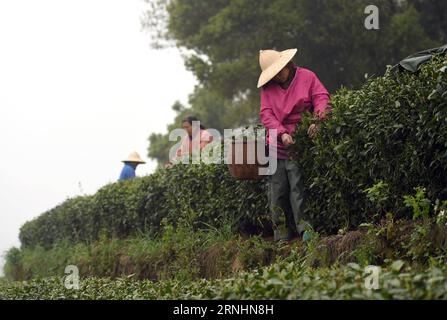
(80, 88)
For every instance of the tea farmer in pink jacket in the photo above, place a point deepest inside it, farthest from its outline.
(186, 146)
(286, 92)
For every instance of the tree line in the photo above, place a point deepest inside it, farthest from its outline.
(221, 39)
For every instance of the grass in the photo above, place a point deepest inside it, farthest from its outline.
(179, 253)
(185, 254)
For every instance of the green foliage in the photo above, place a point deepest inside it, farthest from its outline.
(186, 254)
(179, 253)
(159, 146)
(379, 144)
(222, 39)
(225, 37)
(282, 280)
(378, 194)
(430, 17)
(392, 129)
(13, 268)
(419, 244)
(206, 195)
(213, 195)
(441, 212)
(419, 203)
(255, 252)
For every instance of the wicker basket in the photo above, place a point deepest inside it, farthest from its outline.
(244, 171)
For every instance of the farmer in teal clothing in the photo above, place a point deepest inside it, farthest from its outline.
(130, 165)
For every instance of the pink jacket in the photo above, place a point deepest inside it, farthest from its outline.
(186, 145)
(281, 108)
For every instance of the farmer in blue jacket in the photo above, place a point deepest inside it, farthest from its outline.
(130, 165)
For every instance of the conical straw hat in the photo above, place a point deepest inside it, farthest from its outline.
(272, 62)
(134, 157)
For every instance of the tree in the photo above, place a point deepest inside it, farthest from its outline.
(222, 39)
(433, 17)
(225, 36)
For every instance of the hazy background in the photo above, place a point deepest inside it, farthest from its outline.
(80, 88)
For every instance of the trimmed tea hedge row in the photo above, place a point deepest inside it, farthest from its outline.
(280, 281)
(393, 129)
(204, 195)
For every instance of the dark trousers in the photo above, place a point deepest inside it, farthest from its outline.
(286, 199)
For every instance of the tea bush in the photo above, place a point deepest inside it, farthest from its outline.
(282, 280)
(393, 130)
(204, 195)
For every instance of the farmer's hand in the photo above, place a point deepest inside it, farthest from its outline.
(287, 140)
(313, 130)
